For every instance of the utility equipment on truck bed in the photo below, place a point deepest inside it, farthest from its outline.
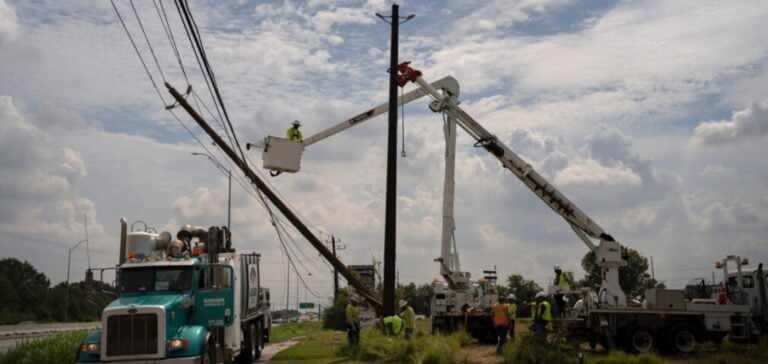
(192, 299)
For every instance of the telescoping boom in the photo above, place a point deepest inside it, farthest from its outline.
(608, 250)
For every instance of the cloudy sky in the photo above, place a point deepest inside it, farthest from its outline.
(652, 116)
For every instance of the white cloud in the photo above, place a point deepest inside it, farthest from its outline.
(8, 23)
(602, 107)
(748, 123)
(715, 170)
(590, 172)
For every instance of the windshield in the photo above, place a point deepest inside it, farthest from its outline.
(155, 279)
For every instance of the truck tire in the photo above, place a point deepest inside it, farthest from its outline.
(252, 350)
(681, 338)
(259, 338)
(213, 354)
(638, 339)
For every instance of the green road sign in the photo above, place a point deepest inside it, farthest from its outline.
(306, 305)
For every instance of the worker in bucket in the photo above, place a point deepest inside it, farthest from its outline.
(512, 309)
(563, 282)
(543, 315)
(353, 322)
(293, 133)
(500, 315)
(409, 318)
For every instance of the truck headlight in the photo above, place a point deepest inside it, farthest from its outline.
(89, 348)
(177, 344)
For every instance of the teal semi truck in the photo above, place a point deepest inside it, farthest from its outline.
(192, 299)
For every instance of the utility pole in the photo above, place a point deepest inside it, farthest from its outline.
(390, 213)
(653, 276)
(242, 164)
(288, 288)
(336, 271)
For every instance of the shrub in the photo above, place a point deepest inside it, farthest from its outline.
(53, 349)
(375, 347)
(534, 350)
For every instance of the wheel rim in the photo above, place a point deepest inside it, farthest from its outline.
(684, 341)
(642, 341)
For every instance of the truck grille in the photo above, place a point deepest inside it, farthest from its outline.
(132, 334)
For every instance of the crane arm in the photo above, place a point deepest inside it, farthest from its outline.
(608, 251)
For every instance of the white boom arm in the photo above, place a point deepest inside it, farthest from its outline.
(608, 251)
(284, 155)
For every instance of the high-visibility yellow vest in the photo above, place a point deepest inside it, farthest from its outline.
(544, 311)
(500, 314)
(512, 309)
(294, 134)
(410, 318)
(353, 315)
(561, 281)
(396, 321)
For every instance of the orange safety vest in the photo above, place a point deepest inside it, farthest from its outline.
(500, 314)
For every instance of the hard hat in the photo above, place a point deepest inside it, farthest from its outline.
(541, 295)
(296, 123)
(403, 303)
(557, 266)
(511, 296)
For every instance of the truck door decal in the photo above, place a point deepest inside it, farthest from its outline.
(214, 300)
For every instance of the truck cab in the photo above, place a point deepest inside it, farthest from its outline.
(180, 303)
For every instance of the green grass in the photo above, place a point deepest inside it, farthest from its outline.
(287, 331)
(318, 346)
(57, 349)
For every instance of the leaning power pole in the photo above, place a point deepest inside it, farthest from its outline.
(390, 213)
(276, 201)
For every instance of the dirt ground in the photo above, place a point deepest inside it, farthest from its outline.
(480, 354)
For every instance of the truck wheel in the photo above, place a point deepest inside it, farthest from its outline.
(259, 338)
(638, 339)
(681, 338)
(252, 350)
(213, 353)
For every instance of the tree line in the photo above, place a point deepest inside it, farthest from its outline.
(27, 295)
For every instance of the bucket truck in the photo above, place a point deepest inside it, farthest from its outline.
(665, 321)
(459, 301)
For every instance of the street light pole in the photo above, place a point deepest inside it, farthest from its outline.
(229, 175)
(66, 298)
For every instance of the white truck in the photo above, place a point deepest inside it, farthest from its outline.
(666, 321)
(192, 299)
(605, 317)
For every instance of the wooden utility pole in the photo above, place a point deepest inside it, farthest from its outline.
(276, 201)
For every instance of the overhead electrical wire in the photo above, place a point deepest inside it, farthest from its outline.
(193, 35)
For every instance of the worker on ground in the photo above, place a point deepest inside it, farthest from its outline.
(563, 282)
(500, 322)
(393, 325)
(409, 317)
(543, 315)
(512, 309)
(353, 322)
(293, 133)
